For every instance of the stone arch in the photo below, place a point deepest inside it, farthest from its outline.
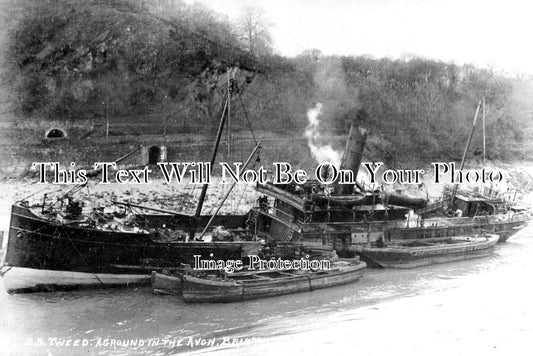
(56, 133)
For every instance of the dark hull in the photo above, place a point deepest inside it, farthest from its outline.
(404, 256)
(199, 290)
(88, 255)
(347, 237)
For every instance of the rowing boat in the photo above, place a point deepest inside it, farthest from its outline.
(246, 285)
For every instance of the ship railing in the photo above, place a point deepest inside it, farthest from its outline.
(434, 222)
(437, 222)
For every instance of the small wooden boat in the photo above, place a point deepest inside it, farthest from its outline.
(164, 283)
(255, 284)
(416, 253)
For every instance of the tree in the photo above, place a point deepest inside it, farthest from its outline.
(313, 54)
(254, 30)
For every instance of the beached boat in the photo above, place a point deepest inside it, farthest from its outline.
(488, 211)
(44, 254)
(416, 253)
(56, 244)
(260, 284)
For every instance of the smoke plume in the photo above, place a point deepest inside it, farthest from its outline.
(322, 153)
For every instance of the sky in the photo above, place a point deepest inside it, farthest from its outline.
(486, 33)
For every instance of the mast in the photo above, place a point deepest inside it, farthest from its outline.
(483, 116)
(213, 156)
(225, 115)
(454, 191)
(229, 116)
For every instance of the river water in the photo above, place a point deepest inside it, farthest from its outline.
(477, 307)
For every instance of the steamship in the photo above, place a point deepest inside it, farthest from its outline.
(348, 218)
(48, 252)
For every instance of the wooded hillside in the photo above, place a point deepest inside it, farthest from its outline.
(159, 63)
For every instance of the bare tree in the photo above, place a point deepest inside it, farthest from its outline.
(254, 30)
(313, 54)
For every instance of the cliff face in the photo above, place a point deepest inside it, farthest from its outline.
(88, 60)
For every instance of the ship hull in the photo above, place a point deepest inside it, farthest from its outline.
(454, 249)
(442, 227)
(347, 237)
(42, 252)
(27, 280)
